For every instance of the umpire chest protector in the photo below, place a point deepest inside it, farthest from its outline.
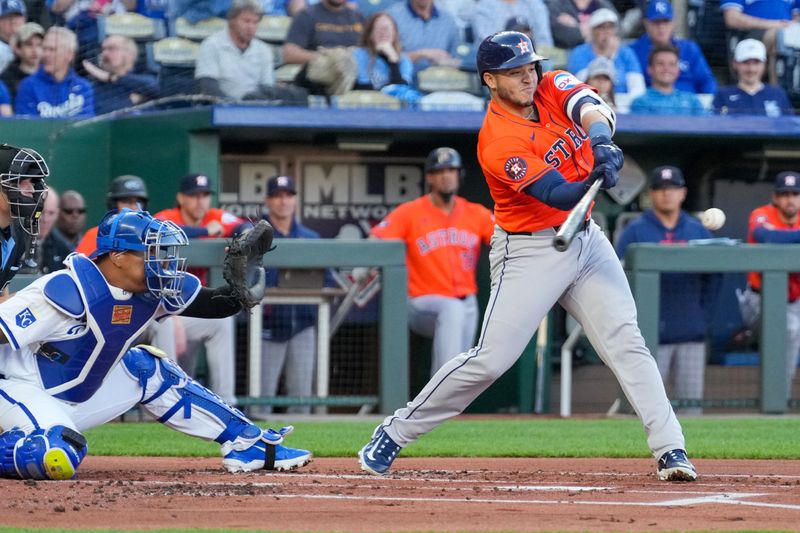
(73, 369)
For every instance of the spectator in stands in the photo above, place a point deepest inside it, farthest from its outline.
(55, 90)
(462, 12)
(695, 74)
(116, 85)
(196, 10)
(12, 16)
(6, 108)
(154, 9)
(198, 219)
(685, 297)
(80, 16)
(428, 34)
(492, 16)
(600, 74)
(569, 20)
(662, 97)
(379, 58)
(289, 332)
(27, 46)
(606, 42)
(750, 96)
(38, 12)
(443, 233)
(760, 20)
(232, 62)
(71, 221)
(331, 25)
(777, 223)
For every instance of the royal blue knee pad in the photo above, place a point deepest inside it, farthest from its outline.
(53, 453)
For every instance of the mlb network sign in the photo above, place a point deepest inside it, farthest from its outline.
(337, 197)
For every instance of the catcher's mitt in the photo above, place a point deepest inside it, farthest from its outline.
(243, 268)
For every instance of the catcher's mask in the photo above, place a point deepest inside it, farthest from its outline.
(160, 240)
(26, 202)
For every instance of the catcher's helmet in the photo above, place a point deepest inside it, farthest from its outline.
(441, 158)
(127, 186)
(505, 50)
(26, 203)
(160, 240)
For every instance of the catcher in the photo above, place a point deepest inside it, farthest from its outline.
(72, 366)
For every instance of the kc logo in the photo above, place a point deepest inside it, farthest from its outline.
(25, 318)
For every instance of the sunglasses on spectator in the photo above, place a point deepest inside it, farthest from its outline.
(79, 211)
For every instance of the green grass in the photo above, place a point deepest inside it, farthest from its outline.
(717, 438)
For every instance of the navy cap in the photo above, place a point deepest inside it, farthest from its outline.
(195, 183)
(787, 182)
(665, 177)
(277, 184)
(659, 10)
(12, 7)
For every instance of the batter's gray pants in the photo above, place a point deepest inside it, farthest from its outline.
(528, 277)
(450, 322)
(218, 336)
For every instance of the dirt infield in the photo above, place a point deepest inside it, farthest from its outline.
(419, 495)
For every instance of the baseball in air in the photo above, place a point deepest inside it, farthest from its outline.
(713, 218)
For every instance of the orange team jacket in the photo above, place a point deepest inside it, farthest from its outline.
(768, 214)
(441, 250)
(88, 242)
(514, 152)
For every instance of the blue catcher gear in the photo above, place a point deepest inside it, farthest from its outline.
(506, 50)
(183, 404)
(53, 453)
(160, 240)
(26, 202)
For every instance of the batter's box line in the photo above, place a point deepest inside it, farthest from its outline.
(719, 499)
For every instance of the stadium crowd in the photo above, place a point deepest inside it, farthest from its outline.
(81, 58)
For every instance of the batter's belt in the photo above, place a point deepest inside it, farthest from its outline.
(582, 227)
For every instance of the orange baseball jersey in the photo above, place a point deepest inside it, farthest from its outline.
(769, 214)
(514, 152)
(228, 220)
(88, 242)
(441, 250)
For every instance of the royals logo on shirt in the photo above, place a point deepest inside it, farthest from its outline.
(121, 314)
(515, 168)
(25, 318)
(565, 81)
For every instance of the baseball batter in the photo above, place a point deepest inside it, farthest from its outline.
(443, 233)
(73, 367)
(545, 139)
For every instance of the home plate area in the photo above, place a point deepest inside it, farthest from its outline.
(432, 494)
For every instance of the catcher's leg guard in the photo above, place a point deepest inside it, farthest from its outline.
(54, 453)
(183, 404)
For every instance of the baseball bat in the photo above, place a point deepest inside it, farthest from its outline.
(569, 228)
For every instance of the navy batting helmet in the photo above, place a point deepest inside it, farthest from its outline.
(442, 158)
(505, 50)
(127, 186)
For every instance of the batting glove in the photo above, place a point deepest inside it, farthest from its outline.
(606, 173)
(605, 151)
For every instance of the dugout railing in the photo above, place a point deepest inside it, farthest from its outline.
(644, 264)
(386, 256)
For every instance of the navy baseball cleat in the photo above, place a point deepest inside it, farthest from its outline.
(377, 456)
(266, 453)
(674, 465)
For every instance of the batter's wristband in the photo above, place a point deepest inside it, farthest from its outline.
(599, 132)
